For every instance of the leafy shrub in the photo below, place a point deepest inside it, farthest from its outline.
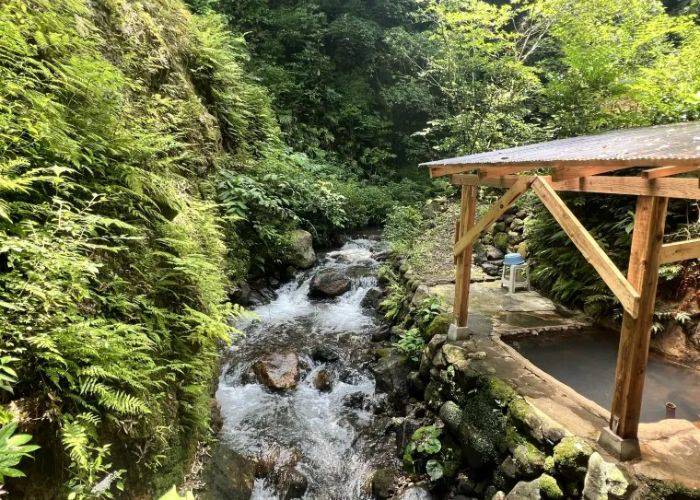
(403, 225)
(13, 448)
(411, 343)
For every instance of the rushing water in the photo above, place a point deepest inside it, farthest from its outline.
(332, 439)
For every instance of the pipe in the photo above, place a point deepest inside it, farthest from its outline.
(670, 410)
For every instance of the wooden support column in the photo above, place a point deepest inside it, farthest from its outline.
(643, 275)
(467, 216)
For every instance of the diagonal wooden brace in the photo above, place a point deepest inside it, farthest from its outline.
(591, 250)
(496, 210)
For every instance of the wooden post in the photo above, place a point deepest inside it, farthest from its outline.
(467, 216)
(643, 275)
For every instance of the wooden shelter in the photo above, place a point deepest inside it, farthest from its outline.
(645, 163)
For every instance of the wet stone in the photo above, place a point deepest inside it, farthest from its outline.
(328, 283)
(278, 371)
(322, 381)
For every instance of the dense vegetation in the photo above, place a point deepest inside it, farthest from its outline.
(153, 156)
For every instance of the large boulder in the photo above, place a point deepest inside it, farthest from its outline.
(278, 371)
(301, 251)
(544, 486)
(231, 475)
(603, 480)
(391, 373)
(328, 282)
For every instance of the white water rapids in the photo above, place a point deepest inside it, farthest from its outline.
(332, 439)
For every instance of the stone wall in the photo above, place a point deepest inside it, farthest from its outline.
(492, 442)
(506, 235)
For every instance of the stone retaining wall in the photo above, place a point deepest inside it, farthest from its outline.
(493, 442)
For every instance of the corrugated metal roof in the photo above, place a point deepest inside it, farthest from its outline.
(650, 146)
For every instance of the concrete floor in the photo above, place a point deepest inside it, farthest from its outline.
(670, 448)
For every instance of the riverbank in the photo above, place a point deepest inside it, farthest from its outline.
(498, 425)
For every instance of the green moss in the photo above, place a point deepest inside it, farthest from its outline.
(501, 392)
(571, 457)
(549, 487)
(500, 241)
(439, 325)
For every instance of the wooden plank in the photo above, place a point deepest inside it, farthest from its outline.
(666, 187)
(681, 250)
(562, 173)
(464, 260)
(487, 172)
(643, 275)
(587, 245)
(442, 170)
(656, 173)
(672, 187)
(496, 210)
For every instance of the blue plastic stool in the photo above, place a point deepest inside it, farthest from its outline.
(516, 272)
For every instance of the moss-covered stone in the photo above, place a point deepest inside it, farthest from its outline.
(439, 325)
(500, 241)
(571, 458)
(452, 415)
(549, 488)
(433, 394)
(383, 483)
(529, 460)
(499, 391)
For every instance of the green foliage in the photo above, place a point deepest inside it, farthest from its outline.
(13, 448)
(403, 225)
(428, 310)
(411, 343)
(422, 447)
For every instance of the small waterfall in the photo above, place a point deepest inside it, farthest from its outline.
(331, 439)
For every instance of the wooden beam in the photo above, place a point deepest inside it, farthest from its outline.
(442, 170)
(672, 187)
(463, 273)
(678, 251)
(573, 172)
(587, 245)
(643, 274)
(487, 172)
(496, 210)
(611, 165)
(656, 173)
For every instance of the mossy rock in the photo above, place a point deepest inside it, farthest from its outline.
(499, 391)
(452, 415)
(383, 483)
(439, 325)
(529, 460)
(433, 394)
(500, 241)
(571, 458)
(549, 488)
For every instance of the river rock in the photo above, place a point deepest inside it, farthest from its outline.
(325, 354)
(603, 480)
(328, 283)
(490, 269)
(391, 374)
(278, 371)
(415, 493)
(493, 253)
(383, 483)
(231, 475)
(301, 251)
(322, 381)
(371, 298)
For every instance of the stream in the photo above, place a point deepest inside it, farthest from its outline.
(325, 441)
